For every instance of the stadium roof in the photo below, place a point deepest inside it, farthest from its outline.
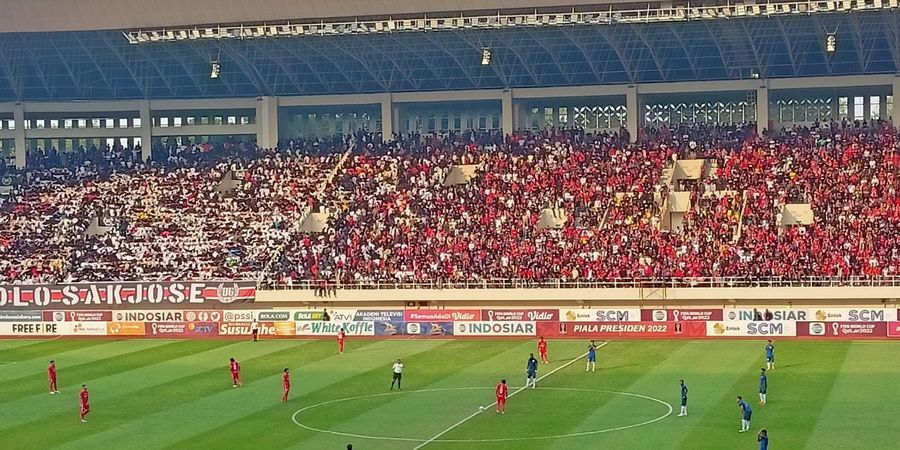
(103, 65)
(81, 15)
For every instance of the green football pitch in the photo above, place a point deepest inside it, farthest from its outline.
(178, 394)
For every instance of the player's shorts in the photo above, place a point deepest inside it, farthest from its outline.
(85, 408)
(532, 374)
(398, 376)
(770, 359)
(762, 391)
(592, 358)
(683, 401)
(747, 415)
(501, 400)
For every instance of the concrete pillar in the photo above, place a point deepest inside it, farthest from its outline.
(895, 110)
(267, 122)
(388, 117)
(146, 129)
(762, 107)
(632, 112)
(19, 119)
(507, 112)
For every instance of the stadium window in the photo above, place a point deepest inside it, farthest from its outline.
(859, 108)
(548, 116)
(495, 122)
(123, 142)
(245, 120)
(137, 141)
(164, 122)
(232, 120)
(843, 107)
(136, 122)
(457, 122)
(54, 124)
(889, 105)
(470, 122)
(110, 142)
(874, 107)
(191, 120)
(445, 123)
(204, 120)
(482, 123)
(110, 123)
(563, 115)
(67, 124)
(39, 124)
(217, 120)
(123, 123)
(11, 124)
(176, 121)
(95, 123)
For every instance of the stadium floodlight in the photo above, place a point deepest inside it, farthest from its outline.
(830, 43)
(214, 68)
(662, 13)
(486, 57)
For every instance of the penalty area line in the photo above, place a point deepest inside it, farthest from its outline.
(471, 416)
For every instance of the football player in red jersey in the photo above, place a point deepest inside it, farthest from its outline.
(51, 377)
(235, 374)
(285, 385)
(85, 405)
(502, 393)
(542, 350)
(341, 336)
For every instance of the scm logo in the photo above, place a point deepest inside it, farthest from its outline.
(765, 328)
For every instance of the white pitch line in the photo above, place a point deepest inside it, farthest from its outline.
(471, 416)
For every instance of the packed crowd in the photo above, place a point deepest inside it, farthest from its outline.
(394, 217)
(395, 220)
(201, 212)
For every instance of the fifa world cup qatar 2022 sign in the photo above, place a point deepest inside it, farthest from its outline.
(124, 294)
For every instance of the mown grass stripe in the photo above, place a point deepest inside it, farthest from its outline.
(618, 364)
(109, 378)
(508, 363)
(35, 369)
(166, 389)
(861, 405)
(788, 389)
(43, 348)
(230, 405)
(423, 367)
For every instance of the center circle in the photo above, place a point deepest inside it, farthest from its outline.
(667, 413)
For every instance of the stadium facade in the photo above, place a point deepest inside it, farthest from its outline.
(600, 67)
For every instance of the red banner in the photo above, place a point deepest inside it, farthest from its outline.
(520, 315)
(679, 315)
(77, 316)
(893, 329)
(621, 329)
(442, 315)
(842, 330)
(161, 294)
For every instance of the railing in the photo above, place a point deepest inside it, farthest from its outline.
(622, 283)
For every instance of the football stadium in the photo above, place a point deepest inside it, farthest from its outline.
(454, 225)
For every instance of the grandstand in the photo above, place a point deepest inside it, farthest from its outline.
(576, 169)
(487, 84)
